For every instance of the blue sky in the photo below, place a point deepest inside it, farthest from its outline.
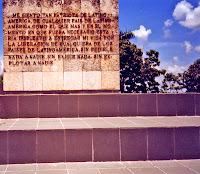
(171, 27)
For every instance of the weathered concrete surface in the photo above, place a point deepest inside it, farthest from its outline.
(61, 37)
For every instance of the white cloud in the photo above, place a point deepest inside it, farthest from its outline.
(175, 58)
(168, 23)
(175, 69)
(187, 15)
(182, 9)
(188, 47)
(167, 33)
(166, 30)
(142, 35)
(197, 48)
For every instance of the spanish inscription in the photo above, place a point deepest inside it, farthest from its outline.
(61, 36)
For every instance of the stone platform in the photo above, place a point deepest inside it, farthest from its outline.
(98, 105)
(43, 140)
(136, 167)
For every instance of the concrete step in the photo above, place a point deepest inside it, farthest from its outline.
(46, 140)
(129, 167)
(98, 105)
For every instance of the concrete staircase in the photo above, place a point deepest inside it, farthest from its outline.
(99, 127)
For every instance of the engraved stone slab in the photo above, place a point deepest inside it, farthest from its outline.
(61, 45)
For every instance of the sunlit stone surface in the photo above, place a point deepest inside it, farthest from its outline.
(61, 44)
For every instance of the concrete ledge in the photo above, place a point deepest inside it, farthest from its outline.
(98, 105)
(124, 167)
(99, 139)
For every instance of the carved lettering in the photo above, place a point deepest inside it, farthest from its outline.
(63, 33)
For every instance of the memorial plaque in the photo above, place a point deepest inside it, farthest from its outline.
(61, 45)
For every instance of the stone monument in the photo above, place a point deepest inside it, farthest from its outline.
(61, 45)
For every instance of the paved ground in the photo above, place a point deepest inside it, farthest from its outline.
(100, 122)
(137, 167)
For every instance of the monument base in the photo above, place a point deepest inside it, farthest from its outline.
(98, 139)
(38, 128)
(97, 105)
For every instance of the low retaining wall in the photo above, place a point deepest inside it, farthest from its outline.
(30, 146)
(99, 105)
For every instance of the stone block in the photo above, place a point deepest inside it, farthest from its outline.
(72, 6)
(106, 145)
(185, 104)
(30, 6)
(51, 6)
(166, 108)
(3, 147)
(28, 106)
(10, 6)
(32, 81)
(91, 64)
(110, 80)
(11, 68)
(110, 63)
(88, 106)
(20, 63)
(147, 105)
(22, 147)
(187, 143)
(91, 80)
(13, 81)
(160, 144)
(111, 6)
(72, 65)
(108, 106)
(57, 65)
(90, 6)
(197, 104)
(127, 105)
(53, 81)
(8, 107)
(50, 146)
(78, 145)
(68, 106)
(48, 106)
(73, 80)
(133, 144)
